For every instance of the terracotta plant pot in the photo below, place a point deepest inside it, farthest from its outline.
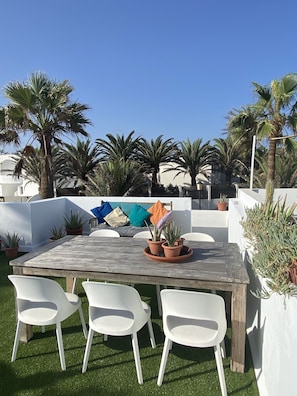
(222, 205)
(75, 232)
(156, 247)
(11, 253)
(171, 251)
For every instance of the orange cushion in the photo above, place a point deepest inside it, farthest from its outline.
(157, 212)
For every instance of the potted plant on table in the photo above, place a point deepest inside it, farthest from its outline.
(222, 204)
(11, 244)
(157, 237)
(172, 234)
(74, 224)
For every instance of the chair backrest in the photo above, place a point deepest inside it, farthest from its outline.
(197, 236)
(35, 289)
(114, 296)
(142, 235)
(105, 233)
(193, 305)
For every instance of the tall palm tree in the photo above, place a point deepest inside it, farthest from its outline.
(152, 154)
(118, 147)
(228, 153)
(77, 162)
(275, 113)
(42, 108)
(193, 158)
(115, 178)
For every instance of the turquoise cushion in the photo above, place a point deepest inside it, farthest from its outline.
(138, 215)
(101, 211)
(127, 207)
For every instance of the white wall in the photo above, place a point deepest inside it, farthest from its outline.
(271, 323)
(212, 222)
(34, 220)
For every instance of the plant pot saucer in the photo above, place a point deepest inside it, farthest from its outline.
(185, 253)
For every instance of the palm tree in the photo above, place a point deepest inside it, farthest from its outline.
(228, 153)
(41, 107)
(118, 147)
(77, 162)
(115, 178)
(274, 113)
(193, 158)
(155, 153)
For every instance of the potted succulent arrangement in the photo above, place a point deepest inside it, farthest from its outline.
(57, 233)
(171, 246)
(222, 204)
(11, 244)
(74, 224)
(157, 237)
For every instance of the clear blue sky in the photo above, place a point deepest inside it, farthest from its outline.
(170, 67)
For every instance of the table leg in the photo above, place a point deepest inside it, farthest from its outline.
(238, 328)
(69, 284)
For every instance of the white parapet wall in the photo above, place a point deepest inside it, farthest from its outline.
(212, 222)
(33, 221)
(271, 323)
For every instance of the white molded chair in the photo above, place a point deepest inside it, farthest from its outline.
(142, 235)
(42, 302)
(197, 236)
(105, 233)
(193, 319)
(116, 310)
(147, 235)
(99, 233)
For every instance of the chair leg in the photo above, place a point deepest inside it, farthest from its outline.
(16, 340)
(87, 351)
(82, 319)
(60, 346)
(151, 332)
(137, 358)
(167, 347)
(220, 367)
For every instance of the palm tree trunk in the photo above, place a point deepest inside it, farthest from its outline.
(271, 160)
(46, 172)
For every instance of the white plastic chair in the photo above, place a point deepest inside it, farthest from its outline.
(142, 235)
(99, 233)
(193, 319)
(197, 236)
(42, 302)
(105, 233)
(116, 310)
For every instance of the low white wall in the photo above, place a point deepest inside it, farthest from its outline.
(212, 222)
(34, 220)
(271, 323)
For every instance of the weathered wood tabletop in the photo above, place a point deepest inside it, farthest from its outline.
(213, 265)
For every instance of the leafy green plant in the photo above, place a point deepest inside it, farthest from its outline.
(11, 240)
(223, 198)
(172, 233)
(271, 230)
(57, 233)
(74, 221)
(156, 229)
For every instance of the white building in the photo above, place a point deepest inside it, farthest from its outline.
(12, 187)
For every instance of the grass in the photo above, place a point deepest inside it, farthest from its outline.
(111, 369)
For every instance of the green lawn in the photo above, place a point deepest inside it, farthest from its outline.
(111, 369)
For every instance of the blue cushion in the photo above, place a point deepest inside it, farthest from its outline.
(101, 211)
(138, 215)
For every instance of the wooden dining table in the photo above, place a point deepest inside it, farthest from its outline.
(212, 266)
